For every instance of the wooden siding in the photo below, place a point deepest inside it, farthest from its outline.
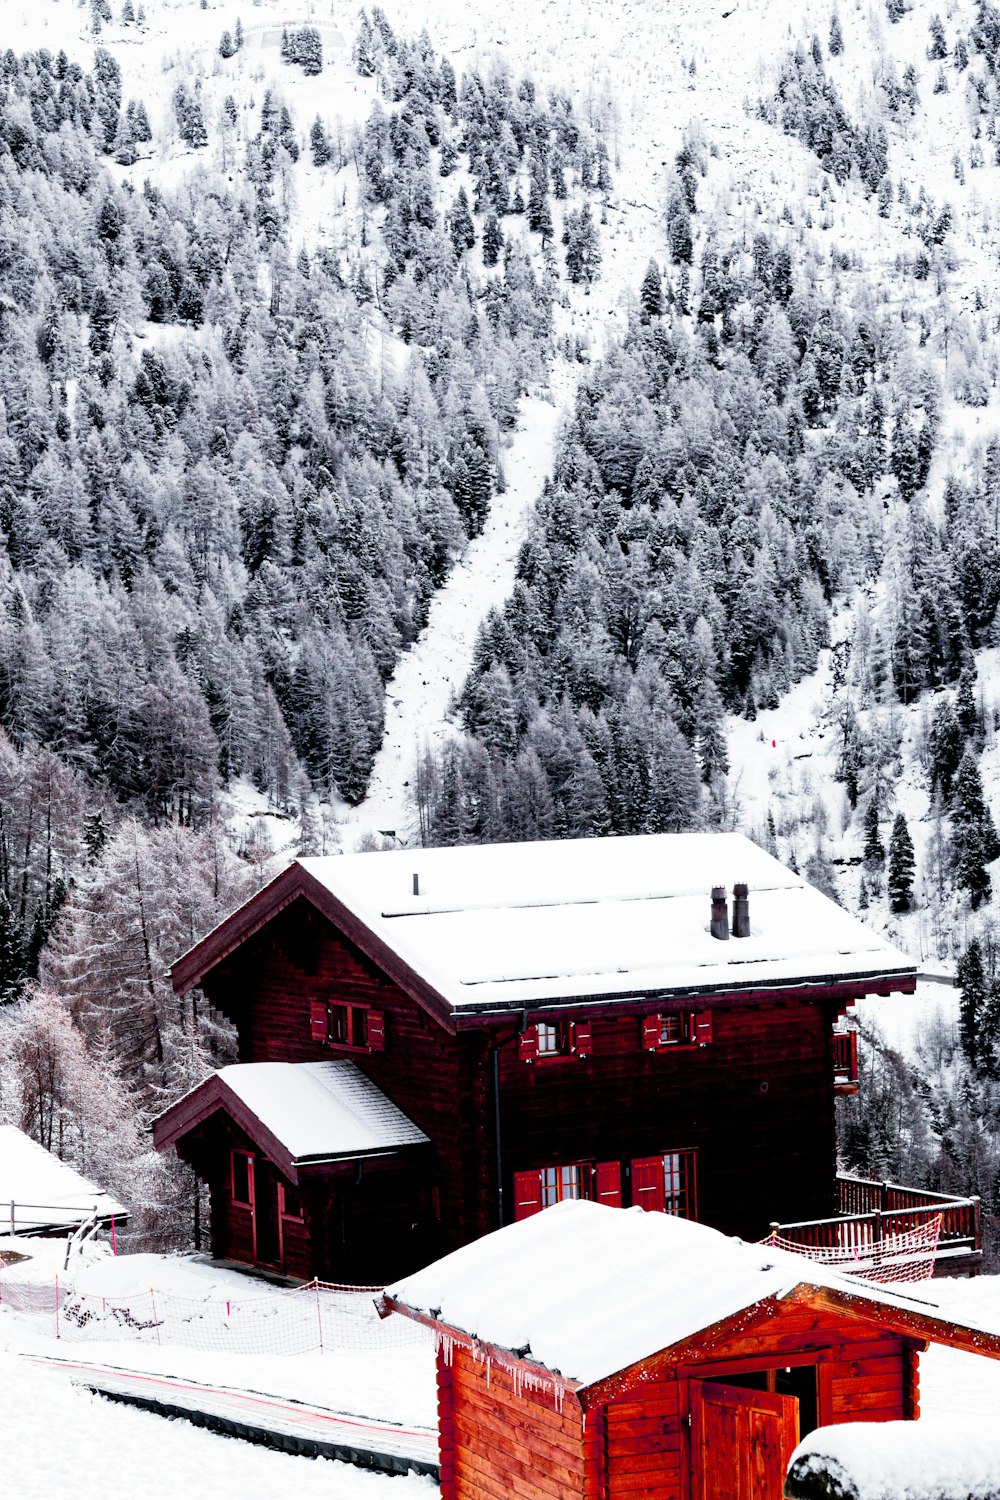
(497, 1441)
(758, 1147)
(644, 1447)
(756, 1103)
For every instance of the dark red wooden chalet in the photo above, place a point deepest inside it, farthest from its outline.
(595, 1356)
(559, 1020)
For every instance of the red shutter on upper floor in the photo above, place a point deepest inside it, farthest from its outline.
(527, 1045)
(527, 1194)
(648, 1187)
(608, 1183)
(701, 1028)
(376, 1030)
(651, 1033)
(582, 1039)
(317, 1020)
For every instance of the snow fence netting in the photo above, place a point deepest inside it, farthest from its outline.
(907, 1256)
(303, 1320)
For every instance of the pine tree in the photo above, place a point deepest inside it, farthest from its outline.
(946, 745)
(679, 238)
(966, 707)
(651, 292)
(972, 986)
(899, 882)
(493, 240)
(836, 36)
(938, 48)
(874, 847)
(974, 842)
(227, 47)
(319, 143)
(460, 226)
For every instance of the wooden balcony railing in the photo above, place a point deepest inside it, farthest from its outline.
(871, 1212)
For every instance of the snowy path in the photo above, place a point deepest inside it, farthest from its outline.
(388, 1446)
(419, 694)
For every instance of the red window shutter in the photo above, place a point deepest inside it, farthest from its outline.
(527, 1194)
(854, 1056)
(608, 1183)
(582, 1039)
(651, 1033)
(527, 1045)
(376, 1031)
(317, 1020)
(701, 1028)
(648, 1188)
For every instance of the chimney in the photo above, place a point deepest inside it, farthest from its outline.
(720, 914)
(416, 885)
(741, 911)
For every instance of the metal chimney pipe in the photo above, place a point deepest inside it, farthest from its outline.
(741, 910)
(720, 914)
(416, 885)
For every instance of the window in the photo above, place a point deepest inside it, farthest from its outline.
(350, 1028)
(551, 1040)
(289, 1202)
(559, 1183)
(555, 1039)
(538, 1189)
(242, 1178)
(665, 1184)
(676, 1028)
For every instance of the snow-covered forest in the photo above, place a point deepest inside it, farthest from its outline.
(281, 309)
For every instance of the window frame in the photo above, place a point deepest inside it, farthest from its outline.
(283, 1209)
(595, 1182)
(248, 1156)
(685, 1193)
(695, 1027)
(574, 1039)
(360, 1019)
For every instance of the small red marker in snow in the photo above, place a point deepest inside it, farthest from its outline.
(774, 744)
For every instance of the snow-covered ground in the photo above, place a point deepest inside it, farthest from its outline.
(420, 692)
(59, 1439)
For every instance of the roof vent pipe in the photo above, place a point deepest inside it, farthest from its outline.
(720, 914)
(741, 910)
(416, 885)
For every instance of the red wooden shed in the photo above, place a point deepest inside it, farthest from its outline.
(604, 1354)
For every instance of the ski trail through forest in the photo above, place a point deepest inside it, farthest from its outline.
(420, 693)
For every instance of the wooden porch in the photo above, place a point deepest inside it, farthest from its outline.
(872, 1213)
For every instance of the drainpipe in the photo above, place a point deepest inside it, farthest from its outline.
(496, 1131)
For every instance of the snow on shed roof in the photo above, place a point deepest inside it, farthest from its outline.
(501, 926)
(47, 1193)
(320, 1110)
(587, 1291)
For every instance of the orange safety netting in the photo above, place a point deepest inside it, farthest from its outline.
(904, 1256)
(318, 1317)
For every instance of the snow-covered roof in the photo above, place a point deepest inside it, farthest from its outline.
(944, 1459)
(587, 1291)
(46, 1193)
(320, 1111)
(499, 926)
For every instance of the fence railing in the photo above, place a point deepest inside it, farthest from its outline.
(317, 1317)
(871, 1212)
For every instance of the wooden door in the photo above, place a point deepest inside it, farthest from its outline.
(267, 1238)
(741, 1442)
